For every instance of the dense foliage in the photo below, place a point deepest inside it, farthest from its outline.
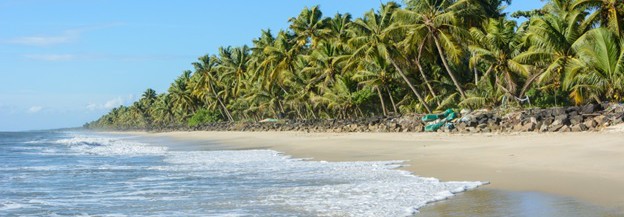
(424, 56)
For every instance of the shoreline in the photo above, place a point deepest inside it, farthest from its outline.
(586, 166)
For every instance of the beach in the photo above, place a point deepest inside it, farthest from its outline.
(586, 167)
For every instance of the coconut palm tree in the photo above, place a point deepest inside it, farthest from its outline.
(183, 102)
(599, 73)
(325, 62)
(309, 26)
(498, 47)
(608, 13)
(552, 37)
(435, 20)
(373, 37)
(378, 76)
(339, 30)
(205, 86)
(233, 67)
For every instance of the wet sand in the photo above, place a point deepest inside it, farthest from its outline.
(572, 174)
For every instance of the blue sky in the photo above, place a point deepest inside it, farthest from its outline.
(67, 62)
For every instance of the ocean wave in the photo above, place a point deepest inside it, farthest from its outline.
(323, 188)
(110, 146)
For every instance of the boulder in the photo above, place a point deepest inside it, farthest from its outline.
(565, 129)
(589, 109)
(600, 120)
(528, 127)
(590, 123)
(578, 128)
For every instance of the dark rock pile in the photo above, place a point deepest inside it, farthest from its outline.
(593, 117)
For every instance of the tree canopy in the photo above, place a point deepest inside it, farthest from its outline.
(410, 57)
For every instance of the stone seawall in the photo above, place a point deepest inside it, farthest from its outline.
(593, 117)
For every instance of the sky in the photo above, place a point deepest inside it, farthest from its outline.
(67, 62)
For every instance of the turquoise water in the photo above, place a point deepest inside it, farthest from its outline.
(81, 173)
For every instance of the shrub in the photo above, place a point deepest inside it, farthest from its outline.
(204, 116)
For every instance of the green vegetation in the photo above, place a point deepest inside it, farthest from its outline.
(424, 56)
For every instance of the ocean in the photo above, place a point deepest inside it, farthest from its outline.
(61, 173)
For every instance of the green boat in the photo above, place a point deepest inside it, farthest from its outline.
(438, 120)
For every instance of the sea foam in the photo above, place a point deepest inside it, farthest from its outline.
(125, 178)
(321, 188)
(110, 146)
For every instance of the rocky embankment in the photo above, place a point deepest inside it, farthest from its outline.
(593, 117)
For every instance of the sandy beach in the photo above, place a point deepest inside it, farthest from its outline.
(585, 166)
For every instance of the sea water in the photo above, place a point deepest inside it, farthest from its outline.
(55, 173)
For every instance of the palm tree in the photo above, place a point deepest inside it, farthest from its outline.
(325, 62)
(435, 21)
(204, 84)
(609, 13)
(162, 110)
(497, 47)
(377, 76)
(183, 101)
(145, 105)
(340, 99)
(233, 66)
(372, 37)
(552, 37)
(339, 30)
(278, 65)
(599, 73)
(309, 26)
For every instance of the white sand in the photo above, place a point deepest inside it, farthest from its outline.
(587, 166)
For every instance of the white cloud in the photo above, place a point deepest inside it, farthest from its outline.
(35, 109)
(112, 103)
(66, 37)
(50, 57)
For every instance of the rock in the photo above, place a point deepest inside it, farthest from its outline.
(578, 128)
(576, 119)
(590, 123)
(600, 120)
(589, 109)
(565, 129)
(543, 128)
(558, 111)
(528, 127)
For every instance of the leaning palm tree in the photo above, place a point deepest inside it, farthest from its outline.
(205, 86)
(373, 38)
(434, 20)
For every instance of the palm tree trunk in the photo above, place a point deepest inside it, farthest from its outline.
(422, 72)
(229, 116)
(448, 69)
(420, 98)
(392, 101)
(383, 105)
